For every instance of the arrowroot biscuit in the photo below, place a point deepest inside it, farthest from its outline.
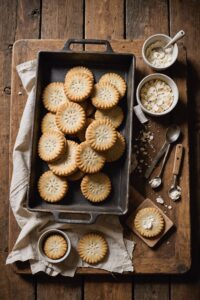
(115, 80)
(115, 115)
(88, 160)
(49, 123)
(51, 145)
(92, 248)
(53, 96)
(78, 87)
(81, 133)
(66, 165)
(117, 150)
(70, 118)
(104, 96)
(76, 176)
(55, 246)
(149, 222)
(51, 187)
(96, 187)
(80, 69)
(101, 135)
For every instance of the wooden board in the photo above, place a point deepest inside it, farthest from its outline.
(173, 257)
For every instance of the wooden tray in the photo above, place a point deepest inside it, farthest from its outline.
(173, 256)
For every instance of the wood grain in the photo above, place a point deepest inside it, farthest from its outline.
(107, 290)
(144, 18)
(151, 289)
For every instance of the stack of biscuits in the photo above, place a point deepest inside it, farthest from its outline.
(79, 133)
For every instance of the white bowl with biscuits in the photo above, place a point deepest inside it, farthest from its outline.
(54, 246)
(157, 94)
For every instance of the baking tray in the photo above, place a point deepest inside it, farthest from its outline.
(52, 66)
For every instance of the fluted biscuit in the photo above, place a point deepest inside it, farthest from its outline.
(96, 187)
(70, 118)
(51, 145)
(80, 69)
(92, 248)
(78, 87)
(53, 96)
(55, 246)
(51, 187)
(115, 80)
(89, 160)
(76, 176)
(49, 123)
(81, 133)
(104, 96)
(66, 165)
(101, 135)
(149, 222)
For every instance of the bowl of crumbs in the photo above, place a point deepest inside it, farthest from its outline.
(54, 246)
(157, 94)
(155, 56)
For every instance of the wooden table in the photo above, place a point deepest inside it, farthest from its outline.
(98, 19)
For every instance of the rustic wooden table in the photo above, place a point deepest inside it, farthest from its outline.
(111, 19)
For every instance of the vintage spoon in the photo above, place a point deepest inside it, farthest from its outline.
(175, 190)
(177, 37)
(172, 134)
(156, 181)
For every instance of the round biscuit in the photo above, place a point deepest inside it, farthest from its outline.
(104, 96)
(117, 150)
(115, 115)
(55, 246)
(116, 80)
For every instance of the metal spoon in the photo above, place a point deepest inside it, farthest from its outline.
(156, 181)
(175, 190)
(177, 37)
(172, 134)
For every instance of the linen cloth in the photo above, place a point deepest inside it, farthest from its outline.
(34, 224)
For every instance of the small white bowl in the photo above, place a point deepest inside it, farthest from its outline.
(169, 81)
(154, 38)
(41, 240)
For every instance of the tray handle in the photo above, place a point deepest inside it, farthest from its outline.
(91, 220)
(87, 42)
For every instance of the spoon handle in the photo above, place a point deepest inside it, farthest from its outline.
(164, 160)
(177, 37)
(177, 159)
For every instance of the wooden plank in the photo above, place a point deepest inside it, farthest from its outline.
(189, 288)
(107, 290)
(14, 17)
(148, 289)
(144, 18)
(59, 288)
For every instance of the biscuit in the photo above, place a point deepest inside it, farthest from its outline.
(149, 222)
(96, 187)
(115, 80)
(51, 145)
(55, 246)
(53, 96)
(75, 176)
(81, 133)
(101, 135)
(66, 165)
(117, 150)
(51, 187)
(115, 115)
(92, 248)
(88, 160)
(49, 123)
(105, 96)
(78, 87)
(70, 118)
(80, 69)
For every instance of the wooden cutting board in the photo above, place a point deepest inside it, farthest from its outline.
(173, 255)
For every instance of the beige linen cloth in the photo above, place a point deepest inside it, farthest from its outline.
(33, 224)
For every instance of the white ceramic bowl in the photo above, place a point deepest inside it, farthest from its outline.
(169, 81)
(41, 240)
(154, 38)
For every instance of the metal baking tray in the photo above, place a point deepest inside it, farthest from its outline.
(52, 66)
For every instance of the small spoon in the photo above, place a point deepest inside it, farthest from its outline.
(156, 181)
(177, 37)
(172, 134)
(175, 190)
